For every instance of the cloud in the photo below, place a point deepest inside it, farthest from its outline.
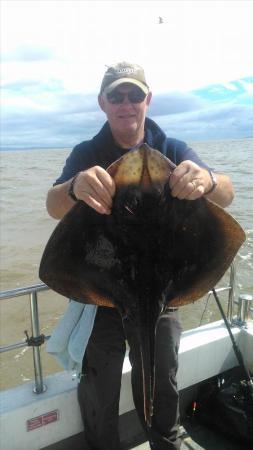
(174, 103)
(28, 53)
(43, 114)
(49, 128)
(225, 92)
(224, 111)
(31, 88)
(77, 103)
(216, 122)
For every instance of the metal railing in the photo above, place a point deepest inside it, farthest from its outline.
(37, 339)
(244, 310)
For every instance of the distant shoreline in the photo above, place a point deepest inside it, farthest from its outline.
(13, 149)
(21, 149)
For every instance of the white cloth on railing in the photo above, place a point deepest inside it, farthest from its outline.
(70, 337)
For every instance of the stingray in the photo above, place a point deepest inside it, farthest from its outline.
(152, 251)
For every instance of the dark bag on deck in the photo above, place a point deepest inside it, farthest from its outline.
(226, 404)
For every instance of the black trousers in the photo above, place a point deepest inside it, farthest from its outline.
(99, 387)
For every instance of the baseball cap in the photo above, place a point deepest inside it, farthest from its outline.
(123, 72)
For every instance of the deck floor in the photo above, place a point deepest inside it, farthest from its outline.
(198, 437)
(194, 437)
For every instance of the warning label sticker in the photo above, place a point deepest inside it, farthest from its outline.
(43, 419)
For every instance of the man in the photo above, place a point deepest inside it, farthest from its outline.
(124, 97)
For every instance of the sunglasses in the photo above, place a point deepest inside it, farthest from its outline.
(135, 96)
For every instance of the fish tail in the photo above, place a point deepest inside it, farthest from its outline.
(148, 372)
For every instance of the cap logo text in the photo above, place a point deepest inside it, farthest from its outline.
(126, 70)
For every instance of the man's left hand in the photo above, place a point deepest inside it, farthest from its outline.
(189, 181)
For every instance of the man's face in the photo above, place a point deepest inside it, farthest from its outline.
(126, 116)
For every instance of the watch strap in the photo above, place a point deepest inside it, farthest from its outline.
(71, 188)
(214, 182)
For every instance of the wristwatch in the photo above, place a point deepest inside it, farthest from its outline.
(71, 188)
(214, 182)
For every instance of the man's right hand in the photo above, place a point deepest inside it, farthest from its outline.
(96, 188)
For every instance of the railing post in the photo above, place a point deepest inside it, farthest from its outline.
(244, 306)
(231, 293)
(39, 386)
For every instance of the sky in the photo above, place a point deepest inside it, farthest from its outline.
(198, 64)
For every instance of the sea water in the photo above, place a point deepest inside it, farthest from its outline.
(25, 227)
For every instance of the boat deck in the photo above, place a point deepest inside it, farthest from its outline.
(194, 437)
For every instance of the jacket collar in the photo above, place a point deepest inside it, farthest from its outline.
(154, 136)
